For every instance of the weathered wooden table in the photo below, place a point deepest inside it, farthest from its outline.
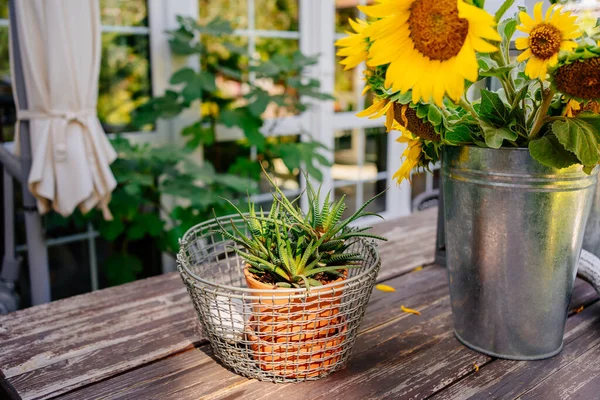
(140, 341)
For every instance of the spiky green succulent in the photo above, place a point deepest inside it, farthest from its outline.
(294, 248)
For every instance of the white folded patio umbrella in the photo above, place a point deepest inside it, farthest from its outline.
(59, 42)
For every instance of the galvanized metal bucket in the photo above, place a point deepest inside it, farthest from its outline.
(591, 240)
(514, 230)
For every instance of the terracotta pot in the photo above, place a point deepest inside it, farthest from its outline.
(302, 359)
(284, 319)
(296, 337)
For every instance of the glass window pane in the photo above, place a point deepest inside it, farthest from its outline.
(371, 189)
(344, 10)
(124, 12)
(345, 165)
(280, 15)
(344, 89)
(3, 9)
(229, 52)
(350, 200)
(376, 148)
(286, 180)
(418, 184)
(268, 47)
(124, 79)
(234, 11)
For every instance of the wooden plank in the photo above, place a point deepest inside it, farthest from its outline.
(194, 374)
(411, 242)
(81, 340)
(577, 372)
(405, 357)
(508, 379)
(55, 348)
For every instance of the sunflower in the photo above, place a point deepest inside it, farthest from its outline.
(412, 155)
(572, 108)
(430, 45)
(577, 74)
(547, 37)
(408, 119)
(354, 46)
(380, 108)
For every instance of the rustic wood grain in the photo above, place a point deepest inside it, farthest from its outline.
(396, 355)
(411, 242)
(509, 379)
(58, 347)
(412, 290)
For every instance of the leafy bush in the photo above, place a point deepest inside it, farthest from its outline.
(147, 174)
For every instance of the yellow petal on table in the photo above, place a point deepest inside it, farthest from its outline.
(476, 367)
(417, 269)
(580, 309)
(385, 288)
(410, 310)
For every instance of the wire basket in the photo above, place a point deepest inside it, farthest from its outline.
(282, 335)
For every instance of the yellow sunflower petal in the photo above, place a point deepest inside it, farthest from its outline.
(384, 9)
(482, 46)
(374, 108)
(537, 12)
(568, 45)
(526, 21)
(410, 66)
(522, 43)
(549, 12)
(524, 55)
(384, 288)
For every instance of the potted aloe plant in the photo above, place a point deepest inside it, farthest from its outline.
(296, 264)
(517, 162)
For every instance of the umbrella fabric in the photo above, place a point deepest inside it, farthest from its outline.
(59, 43)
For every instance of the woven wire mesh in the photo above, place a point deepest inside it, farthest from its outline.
(282, 335)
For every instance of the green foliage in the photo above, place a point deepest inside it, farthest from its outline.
(294, 248)
(230, 63)
(145, 175)
(549, 152)
(578, 137)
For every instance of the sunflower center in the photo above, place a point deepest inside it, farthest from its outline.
(436, 30)
(407, 117)
(580, 79)
(545, 40)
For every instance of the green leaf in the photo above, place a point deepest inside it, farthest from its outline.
(182, 76)
(458, 134)
(578, 137)
(503, 9)
(434, 115)
(494, 137)
(122, 268)
(549, 152)
(110, 230)
(207, 81)
(507, 29)
(249, 123)
(591, 119)
(198, 134)
(493, 109)
(489, 67)
(260, 101)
